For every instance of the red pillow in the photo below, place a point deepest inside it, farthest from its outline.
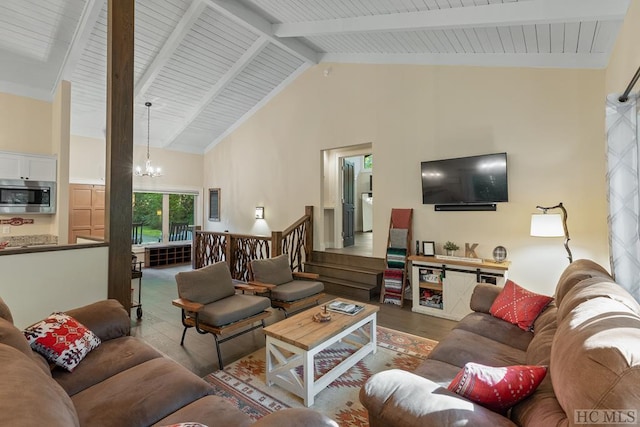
(519, 306)
(62, 340)
(497, 388)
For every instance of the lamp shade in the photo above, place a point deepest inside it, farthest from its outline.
(547, 225)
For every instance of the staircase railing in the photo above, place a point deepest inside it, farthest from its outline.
(238, 250)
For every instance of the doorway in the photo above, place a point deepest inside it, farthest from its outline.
(347, 201)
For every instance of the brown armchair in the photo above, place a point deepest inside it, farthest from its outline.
(288, 291)
(209, 304)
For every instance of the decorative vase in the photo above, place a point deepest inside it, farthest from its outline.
(451, 252)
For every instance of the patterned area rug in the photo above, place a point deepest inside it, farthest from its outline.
(244, 381)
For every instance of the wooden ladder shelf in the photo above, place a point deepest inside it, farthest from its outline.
(399, 241)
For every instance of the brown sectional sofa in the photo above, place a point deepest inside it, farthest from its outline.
(589, 338)
(123, 382)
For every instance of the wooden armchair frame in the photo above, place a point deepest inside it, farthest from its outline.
(190, 319)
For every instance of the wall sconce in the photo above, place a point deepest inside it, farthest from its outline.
(551, 225)
(259, 212)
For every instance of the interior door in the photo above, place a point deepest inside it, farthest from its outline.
(86, 211)
(348, 203)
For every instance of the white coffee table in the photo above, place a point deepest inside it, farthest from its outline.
(295, 342)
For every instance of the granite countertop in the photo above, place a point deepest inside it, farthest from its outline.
(30, 240)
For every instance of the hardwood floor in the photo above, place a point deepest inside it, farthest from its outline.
(161, 327)
(363, 245)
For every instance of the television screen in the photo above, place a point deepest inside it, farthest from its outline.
(476, 179)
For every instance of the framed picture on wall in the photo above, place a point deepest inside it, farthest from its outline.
(428, 248)
(214, 204)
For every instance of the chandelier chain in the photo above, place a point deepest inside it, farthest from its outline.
(149, 170)
(148, 104)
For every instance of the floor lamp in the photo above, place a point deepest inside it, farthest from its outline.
(551, 225)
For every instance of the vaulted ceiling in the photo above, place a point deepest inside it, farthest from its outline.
(208, 65)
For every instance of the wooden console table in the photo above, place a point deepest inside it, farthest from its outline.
(443, 287)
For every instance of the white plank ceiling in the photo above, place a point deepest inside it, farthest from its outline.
(207, 65)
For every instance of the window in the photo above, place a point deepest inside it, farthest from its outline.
(214, 204)
(147, 210)
(368, 162)
(163, 217)
(181, 216)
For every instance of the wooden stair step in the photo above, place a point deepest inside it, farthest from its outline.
(370, 276)
(346, 259)
(347, 283)
(356, 291)
(345, 267)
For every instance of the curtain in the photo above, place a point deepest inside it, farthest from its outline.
(623, 191)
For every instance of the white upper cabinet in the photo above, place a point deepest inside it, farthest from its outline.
(27, 167)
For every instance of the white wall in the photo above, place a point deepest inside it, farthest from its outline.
(36, 284)
(550, 122)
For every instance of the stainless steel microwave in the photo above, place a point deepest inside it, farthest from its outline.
(27, 197)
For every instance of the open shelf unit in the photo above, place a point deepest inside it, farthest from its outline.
(430, 287)
(158, 255)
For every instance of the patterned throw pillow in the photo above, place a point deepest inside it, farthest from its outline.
(497, 388)
(519, 306)
(62, 340)
(187, 425)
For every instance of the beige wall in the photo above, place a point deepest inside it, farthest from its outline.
(26, 126)
(550, 122)
(180, 170)
(60, 145)
(626, 55)
(87, 160)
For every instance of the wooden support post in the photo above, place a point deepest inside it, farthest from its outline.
(276, 243)
(229, 250)
(118, 210)
(308, 238)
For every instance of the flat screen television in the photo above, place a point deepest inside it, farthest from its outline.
(465, 180)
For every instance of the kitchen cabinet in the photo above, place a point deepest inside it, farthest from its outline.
(443, 287)
(31, 167)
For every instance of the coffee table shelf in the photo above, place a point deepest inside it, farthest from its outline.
(296, 341)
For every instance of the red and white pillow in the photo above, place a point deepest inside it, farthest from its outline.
(497, 388)
(519, 306)
(62, 340)
(187, 425)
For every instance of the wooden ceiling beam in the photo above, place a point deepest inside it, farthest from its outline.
(81, 38)
(262, 27)
(169, 48)
(491, 15)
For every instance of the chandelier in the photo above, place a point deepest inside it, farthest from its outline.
(148, 169)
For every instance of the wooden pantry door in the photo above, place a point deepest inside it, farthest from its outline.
(86, 211)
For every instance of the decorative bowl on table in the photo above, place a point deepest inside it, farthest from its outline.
(322, 316)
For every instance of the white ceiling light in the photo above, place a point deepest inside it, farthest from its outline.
(148, 169)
